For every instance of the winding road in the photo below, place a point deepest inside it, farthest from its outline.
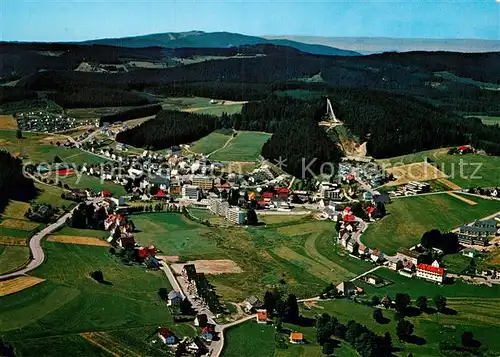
(37, 254)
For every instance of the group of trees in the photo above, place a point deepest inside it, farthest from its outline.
(169, 128)
(365, 341)
(87, 216)
(447, 242)
(285, 307)
(13, 184)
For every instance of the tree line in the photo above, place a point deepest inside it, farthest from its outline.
(13, 184)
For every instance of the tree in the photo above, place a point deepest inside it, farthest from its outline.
(19, 134)
(378, 315)
(421, 303)
(269, 303)
(252, 219)
(185, 307)
(467, 339)
(292, 309)
(163, 294)
(340, 330)
(440, 302)
(323, 334)
(401, 302)
(404, 329)
(328, 348)
(375, 300)
(97, 276)
(57, 160)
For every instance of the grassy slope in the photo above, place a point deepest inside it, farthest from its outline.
(410, 217)
(31, 145)
(284, 252)
(210, 143)
(70, 302)
(94, 183)
(488, 174)
(12, 258)
(246, 146)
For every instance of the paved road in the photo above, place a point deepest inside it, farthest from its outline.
(37, 254)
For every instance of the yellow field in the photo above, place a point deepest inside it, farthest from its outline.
(15, 285)
(6, 240)
(78, 240)
(419, 171)
(16, 209)
(19, 225)
(462, 198)
(7, 122)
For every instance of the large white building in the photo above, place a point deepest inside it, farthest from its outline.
(190, 192)
(431, 272)
(221, 208)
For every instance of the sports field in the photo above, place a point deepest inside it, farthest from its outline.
(210, 143)
(246, 146)
(51, 316)
(299, 255)
(408, 218)
(466, 171)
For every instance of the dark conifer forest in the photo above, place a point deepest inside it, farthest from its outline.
(13, 184)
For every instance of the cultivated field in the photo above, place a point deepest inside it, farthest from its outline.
(210, 143)
(20, 225)
(16, 285)
(19, 241)
(51, 195)
(86, 181)
(202, 105)
(466, 171)
(302, 257)
(420, 171)
(246, 146)
(7, 122)
(13, 258)
(16, 209)
(410, 217)
(78, 240)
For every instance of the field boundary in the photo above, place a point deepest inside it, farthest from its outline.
(461, 198)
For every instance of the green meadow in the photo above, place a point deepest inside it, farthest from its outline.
(246, 146)
(409, 217)
(467, 171)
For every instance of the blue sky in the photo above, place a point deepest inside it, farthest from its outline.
(74, 20)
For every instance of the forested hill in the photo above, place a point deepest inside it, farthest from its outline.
(13, 185)
(200, 39)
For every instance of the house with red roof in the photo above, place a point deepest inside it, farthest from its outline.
(267, 196)
(296, 338)
(464, 149)
(208, 332)
(106, 193)
(161, 195)
(431, 273)
(349, 218)
(261, 317)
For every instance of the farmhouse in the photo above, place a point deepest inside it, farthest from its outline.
(346, 288)
(261, 317)
(167, 336)
(296, 338)
(431, 273)
(253, 303)
(376, 255)
(410, 255)
(363, 250)
(174, 298)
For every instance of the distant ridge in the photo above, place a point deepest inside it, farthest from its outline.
(200, 39)
(369, 45)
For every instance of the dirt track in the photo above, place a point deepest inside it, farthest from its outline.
(222, 266)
